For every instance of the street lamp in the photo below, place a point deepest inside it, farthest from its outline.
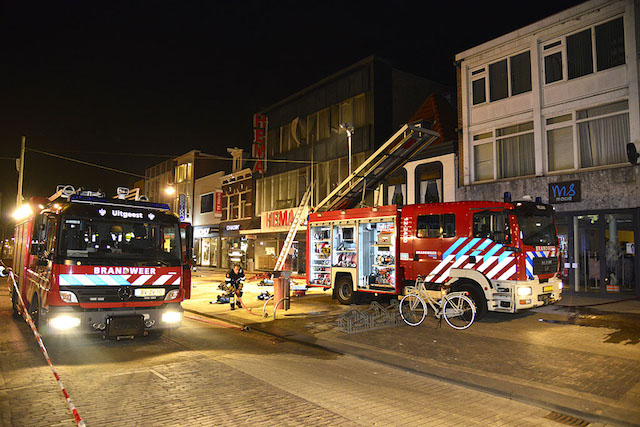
(348, 127)
(170, 190)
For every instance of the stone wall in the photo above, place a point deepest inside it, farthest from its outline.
(604, 189)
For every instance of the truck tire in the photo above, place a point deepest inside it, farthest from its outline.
(476, 295)
(344, 291)
(15, 304)
(35, 311)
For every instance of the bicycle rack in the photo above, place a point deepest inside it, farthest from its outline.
(373, 317)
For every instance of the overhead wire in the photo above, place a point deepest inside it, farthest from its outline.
(85, 163)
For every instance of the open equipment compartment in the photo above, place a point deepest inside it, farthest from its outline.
(320, 257)
(377, 254)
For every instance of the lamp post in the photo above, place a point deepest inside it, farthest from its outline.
(348, 127)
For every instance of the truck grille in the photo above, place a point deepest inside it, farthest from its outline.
(545, 265)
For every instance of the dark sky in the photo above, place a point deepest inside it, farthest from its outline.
(85, 78)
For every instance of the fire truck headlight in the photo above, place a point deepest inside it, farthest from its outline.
(172, 294)
(171, 317)
(68, 296)
(525, 290)
(64, 322)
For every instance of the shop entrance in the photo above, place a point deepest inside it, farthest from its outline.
(598, 252)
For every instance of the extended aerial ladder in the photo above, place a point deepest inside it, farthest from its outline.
(404, 144)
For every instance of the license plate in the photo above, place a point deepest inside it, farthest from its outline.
(125, 326)
(149, 292)
(547, 289)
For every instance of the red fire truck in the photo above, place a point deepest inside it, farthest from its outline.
(504, 254)
(87, 263)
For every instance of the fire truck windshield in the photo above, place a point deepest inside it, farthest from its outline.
(112, 242)
(537, 226)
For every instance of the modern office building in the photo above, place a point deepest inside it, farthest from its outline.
(302, 140)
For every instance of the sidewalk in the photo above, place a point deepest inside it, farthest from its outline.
(581, 361)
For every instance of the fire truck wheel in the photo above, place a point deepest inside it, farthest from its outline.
(475, 293)
(14, 304)
(345, 292)
(35, 312)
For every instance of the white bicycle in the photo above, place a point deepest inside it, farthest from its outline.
(456, 308)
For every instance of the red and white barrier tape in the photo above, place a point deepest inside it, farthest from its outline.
(27, 317)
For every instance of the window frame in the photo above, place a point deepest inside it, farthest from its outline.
(562, 47)
(493, 139)
(485, 74)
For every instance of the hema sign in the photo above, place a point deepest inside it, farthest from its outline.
(563, 192)
(280, 220)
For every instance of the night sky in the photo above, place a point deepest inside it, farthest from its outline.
(139, 78)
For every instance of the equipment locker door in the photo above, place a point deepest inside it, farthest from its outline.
(427, 242)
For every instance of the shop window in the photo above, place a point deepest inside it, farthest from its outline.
(603, 134)
(429, 183)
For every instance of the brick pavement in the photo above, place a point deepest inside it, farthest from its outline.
(206, 375)
(543, 355)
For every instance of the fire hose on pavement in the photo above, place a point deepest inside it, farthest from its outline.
(27, 317)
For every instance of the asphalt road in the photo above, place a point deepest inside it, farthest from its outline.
(206, 374)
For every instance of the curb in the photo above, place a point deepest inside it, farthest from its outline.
(538, 395)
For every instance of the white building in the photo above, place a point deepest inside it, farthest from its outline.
(549, 110)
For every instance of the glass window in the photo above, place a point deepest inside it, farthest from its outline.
(273, 142)
(603, 134)
(428, 226)
(359, 111)
(346, 111)
(520, 73)
(560, 142)
(610, 44)
(492, 225)
(498, 80)
(286, 138)
(479, 89)
(579, 54)
(516, 156)
(448, 225)
(324, 129)
(553, 68)
(429, 183)
(483, 161)
(206, 203)
(312, 128)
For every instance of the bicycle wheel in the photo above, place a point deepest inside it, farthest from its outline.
(459, 311)
(413, 309)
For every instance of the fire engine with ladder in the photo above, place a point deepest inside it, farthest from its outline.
(87, 263)
(503, 254)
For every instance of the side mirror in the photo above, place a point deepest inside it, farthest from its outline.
(42, 262)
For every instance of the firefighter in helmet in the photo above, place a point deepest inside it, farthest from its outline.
(234, 283)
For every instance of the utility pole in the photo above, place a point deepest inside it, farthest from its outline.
(21, 173)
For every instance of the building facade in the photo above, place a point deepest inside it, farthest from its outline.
(305, 142)
(550, 110)
(207, 214)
